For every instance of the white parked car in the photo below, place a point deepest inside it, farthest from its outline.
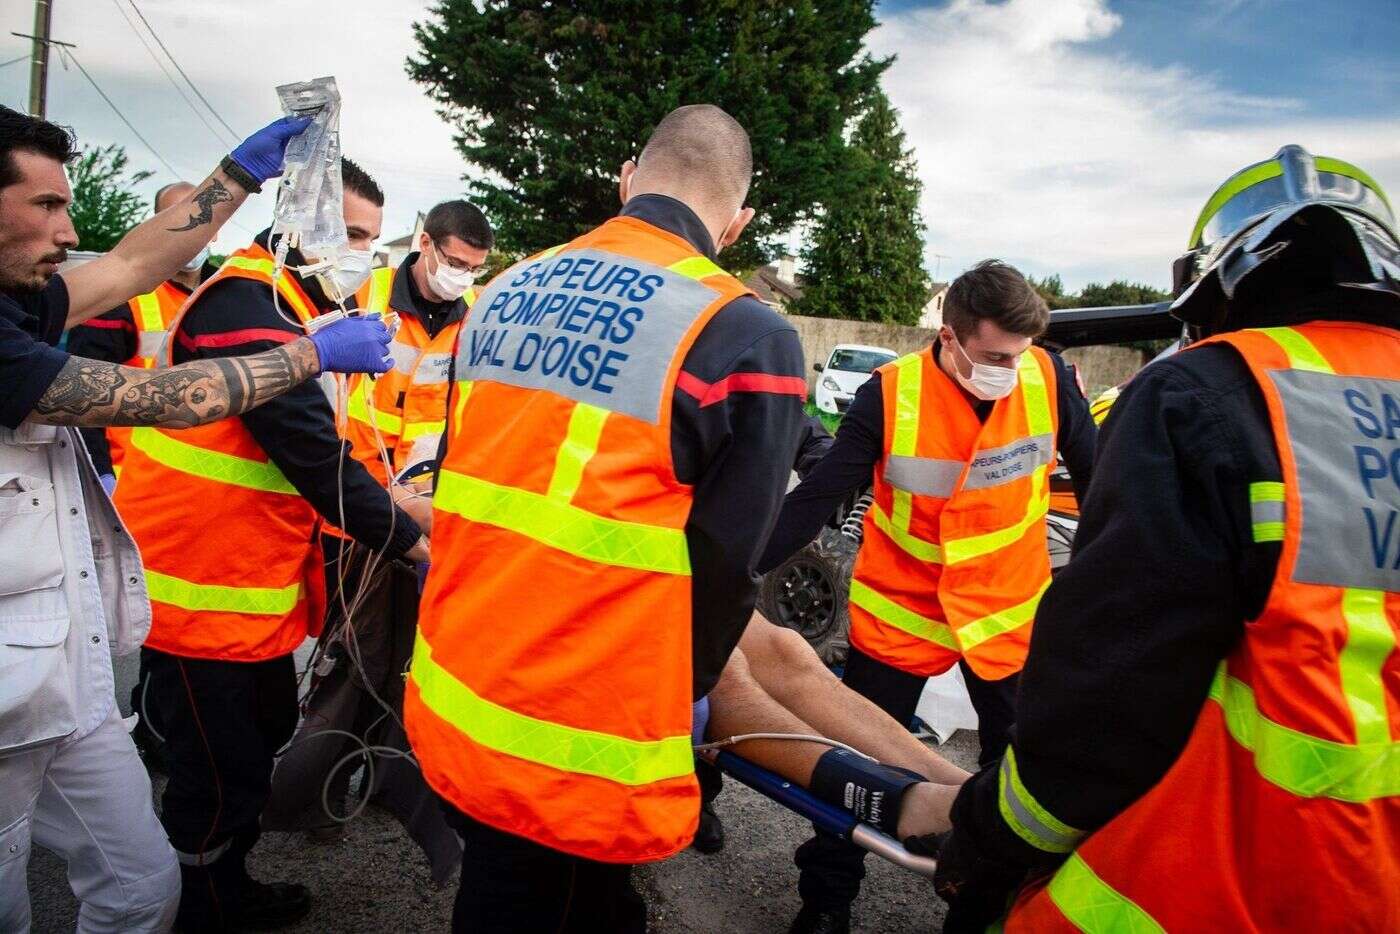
(845, 370)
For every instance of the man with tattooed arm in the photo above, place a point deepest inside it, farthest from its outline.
(72, 588)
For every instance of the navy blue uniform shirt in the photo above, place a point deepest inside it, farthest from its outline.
(30, 327)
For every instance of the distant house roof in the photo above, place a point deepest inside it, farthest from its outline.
(405, 240)
(770, 288)
(936, 287)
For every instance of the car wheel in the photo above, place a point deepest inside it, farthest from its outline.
(809, 592)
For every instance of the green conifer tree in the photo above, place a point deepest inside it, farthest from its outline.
(865, 258)
(551, 98)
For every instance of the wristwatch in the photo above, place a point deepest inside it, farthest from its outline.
(240, 175)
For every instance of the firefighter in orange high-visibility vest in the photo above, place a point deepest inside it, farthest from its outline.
(620, 430)
(1208, 726)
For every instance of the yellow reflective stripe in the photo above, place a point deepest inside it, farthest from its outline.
(464, 389)
(1004, 621)
(565, 748)
(211, 465)
(1338, 167)
(924, 551)
(1035, 396)
(975, 546)
(1304, 765)
(1266, 510)
(564, 527)
(252, 264)
(381, 282)
(1093, 906)
(469, 297)
(148, 308)
(263, 601)
(887, 611)
(1025, 815)
(1101, 406)
(579, 445)
(1370, 640)
(416, 430)
(905, 436)
(696, 267)
(1232, 186)
(546, 254)
(358, 407)
(1302, 355)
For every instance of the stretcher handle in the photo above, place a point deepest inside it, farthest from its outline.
(825, 816)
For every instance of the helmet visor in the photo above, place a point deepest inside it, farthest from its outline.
(1264, 188)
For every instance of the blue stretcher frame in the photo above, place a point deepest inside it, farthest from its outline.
(825, 816)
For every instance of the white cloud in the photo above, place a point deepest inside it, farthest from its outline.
(1036, 145)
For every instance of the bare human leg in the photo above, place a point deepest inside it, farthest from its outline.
(739, 704)
(782, 662)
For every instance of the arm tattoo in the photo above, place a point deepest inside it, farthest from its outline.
(93, 392)
(216, 193)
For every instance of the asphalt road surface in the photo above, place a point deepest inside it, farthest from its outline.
(377, 880)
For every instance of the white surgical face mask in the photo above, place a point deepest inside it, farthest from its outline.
(341, 277)
(448, 282)
(987, 382)
(197, 261)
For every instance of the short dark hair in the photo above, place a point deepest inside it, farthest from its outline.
(460, 219)
(21, 132)
(993, 291)
(353, 178)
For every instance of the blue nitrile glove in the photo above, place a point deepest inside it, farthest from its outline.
(260, 155)
(109, 483)
(357, 344)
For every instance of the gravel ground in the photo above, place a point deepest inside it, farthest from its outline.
(377, 880)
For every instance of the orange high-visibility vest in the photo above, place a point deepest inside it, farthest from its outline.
(153, 314)
(550, 692)
(410, 401)
(954, 560)
(233, 568)
(1282, 812)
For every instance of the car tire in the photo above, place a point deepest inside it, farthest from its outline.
(809, 592)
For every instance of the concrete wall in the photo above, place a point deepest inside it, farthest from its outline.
(819, 335)
(1099, 367)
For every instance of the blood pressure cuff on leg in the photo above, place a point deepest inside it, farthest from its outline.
(866, 789)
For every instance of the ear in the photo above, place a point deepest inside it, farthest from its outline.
(624, 185)
(735, 229)
(424, 241)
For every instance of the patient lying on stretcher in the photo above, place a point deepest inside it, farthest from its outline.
(775, 683)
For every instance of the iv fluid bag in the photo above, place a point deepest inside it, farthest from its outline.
(309, 209)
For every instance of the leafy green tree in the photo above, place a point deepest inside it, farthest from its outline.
(1119, 292)
(1052, 289)
(865, 260)
(104, 205)
(549, 99)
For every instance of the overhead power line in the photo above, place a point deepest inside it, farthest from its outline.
(13, 61)
(155, 35)
(68, 53)
(168, 76)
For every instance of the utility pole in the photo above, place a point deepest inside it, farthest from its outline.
(39, 58)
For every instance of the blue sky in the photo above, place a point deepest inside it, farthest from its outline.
(1077, 137)
(1081, 136)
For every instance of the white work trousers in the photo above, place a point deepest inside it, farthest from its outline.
(88, 800)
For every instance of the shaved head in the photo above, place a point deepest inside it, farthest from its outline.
(700, 155)
(170, 194)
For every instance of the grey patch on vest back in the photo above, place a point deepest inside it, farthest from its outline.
(588, 325)
(1010, 462)
(924, 476)
(1348, 467)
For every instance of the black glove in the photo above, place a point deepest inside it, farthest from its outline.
(978, 890)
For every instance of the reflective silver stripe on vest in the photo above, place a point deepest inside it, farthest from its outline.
(925, 476)
(1013, 461)
(148, 344)
(432, 368)
(1348, 468)
(405, 356)
(591, 326)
